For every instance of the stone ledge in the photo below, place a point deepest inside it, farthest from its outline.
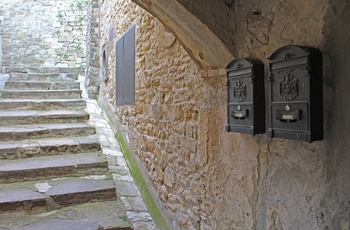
(120, 171)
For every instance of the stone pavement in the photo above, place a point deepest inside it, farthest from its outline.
(126, 188)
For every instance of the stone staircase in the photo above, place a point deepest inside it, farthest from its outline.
(53, 174)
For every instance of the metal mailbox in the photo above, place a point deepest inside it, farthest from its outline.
(245, 96)
(296, 95)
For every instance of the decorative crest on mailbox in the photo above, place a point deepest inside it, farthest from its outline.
(289, 87)
(239, 91)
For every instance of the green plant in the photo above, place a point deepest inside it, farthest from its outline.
(124, 218)
(72, 6)
(81, 18)
(81, 3)
(78, 46)
(59, 14)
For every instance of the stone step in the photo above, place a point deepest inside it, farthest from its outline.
(52, 167)
(18, 117)
(47, 195)
(22, 199)
(90, 216)
(41, 94)
(41, 69)
(42, 77)
(47, 147)
(32, 131)
(82, 190)
(35, 85)
(40, 104)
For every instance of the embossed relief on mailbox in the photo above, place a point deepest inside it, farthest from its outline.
(289, 87)
(245, 96)
(296, 107)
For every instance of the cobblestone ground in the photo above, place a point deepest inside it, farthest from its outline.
(126, 188)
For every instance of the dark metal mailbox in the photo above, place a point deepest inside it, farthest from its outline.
(296, 102)
(245, 96)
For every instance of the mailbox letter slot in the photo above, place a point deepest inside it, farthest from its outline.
(245, 96)
(288, 117)
(296, 95)
(239, 114)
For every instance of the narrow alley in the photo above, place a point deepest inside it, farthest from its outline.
(174, 114)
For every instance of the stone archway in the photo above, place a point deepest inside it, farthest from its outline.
(201, 43)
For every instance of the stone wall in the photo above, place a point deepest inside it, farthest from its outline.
(92, 49)
(334, 211)
(0, 53)
(49, 33)
(164, 122)
(210, 179)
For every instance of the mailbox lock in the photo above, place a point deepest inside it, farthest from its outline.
(287, 107)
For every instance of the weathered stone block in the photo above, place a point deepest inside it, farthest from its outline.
(169, 178)
(189, 144)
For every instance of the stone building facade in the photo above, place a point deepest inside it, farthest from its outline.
(43, 33)
(208, 178)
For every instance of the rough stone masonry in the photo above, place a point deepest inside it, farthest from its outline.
(46, 33)
(210, 179)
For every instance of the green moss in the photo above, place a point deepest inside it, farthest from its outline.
(125, 218)
(59, 14)
(81, 18)
(81, 3)
(78, 46)
(153, 208)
